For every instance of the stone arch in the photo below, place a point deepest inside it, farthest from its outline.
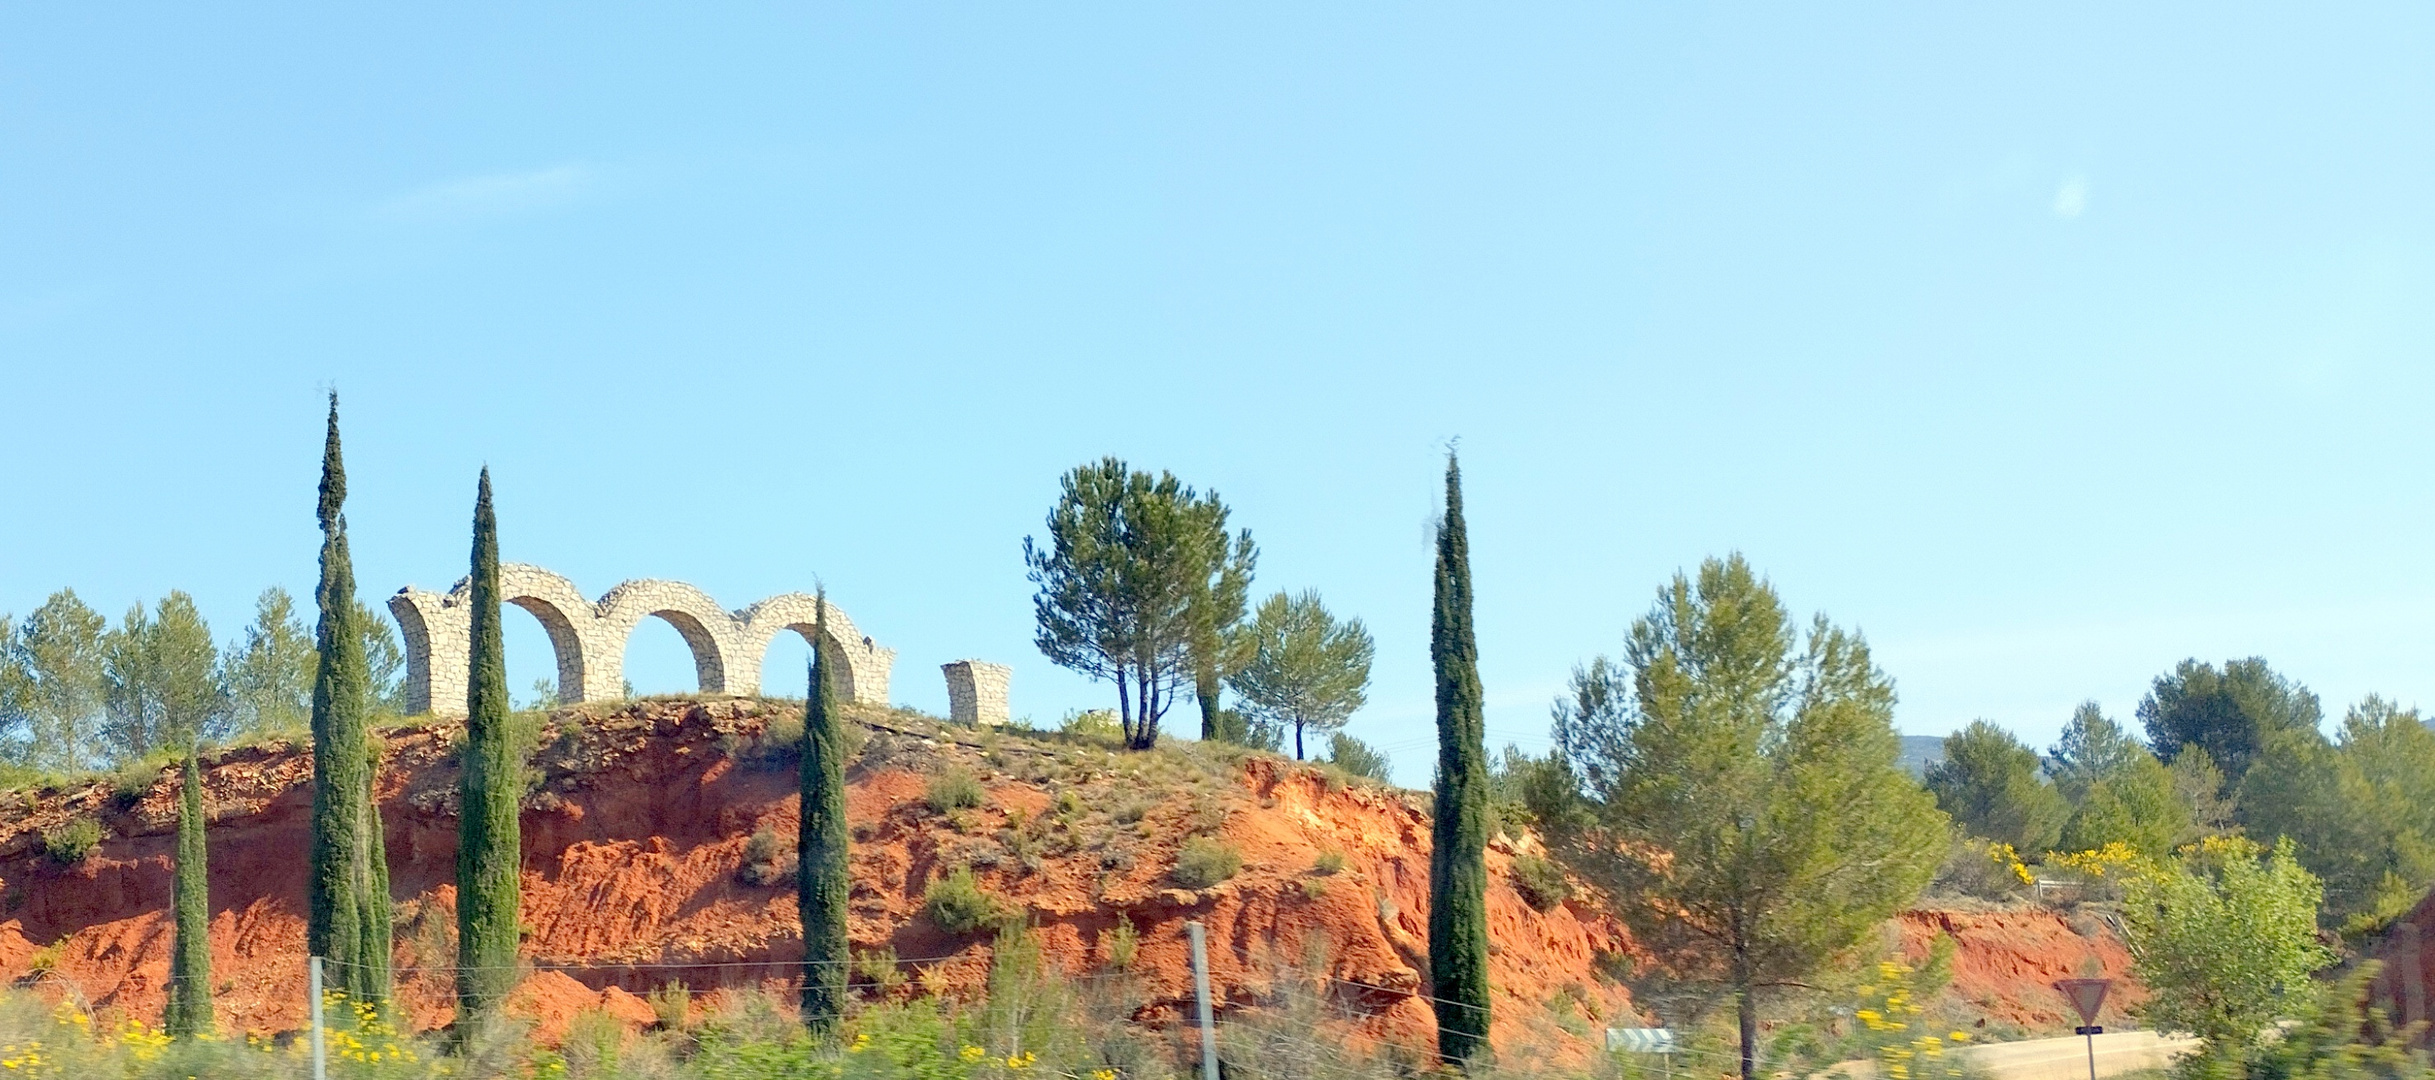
(590, 638)
(705, 626)
(861, 666)
(564, 615)
(415, 630)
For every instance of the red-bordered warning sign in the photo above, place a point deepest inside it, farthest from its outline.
(2086, 995)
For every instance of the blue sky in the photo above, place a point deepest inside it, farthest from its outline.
(2047, 346)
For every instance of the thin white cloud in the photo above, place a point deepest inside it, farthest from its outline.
(491, 196)
(2071, 200)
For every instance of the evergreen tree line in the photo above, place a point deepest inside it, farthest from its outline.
(2232, 750)
(78, 693)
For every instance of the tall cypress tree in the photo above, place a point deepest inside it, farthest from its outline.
(821, 881)
(490, 791)
(189, 1010)
(347, 888)
(1458, 867)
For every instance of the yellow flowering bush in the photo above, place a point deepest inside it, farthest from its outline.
(2010, 860)
(2115, 860)
(1884, 1019)
(1889, 1014)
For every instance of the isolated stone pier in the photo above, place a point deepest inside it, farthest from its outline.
(976, 691)
(589, 638)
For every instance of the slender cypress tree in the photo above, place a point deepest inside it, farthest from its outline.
(821, 881)
(347, 901)
(189, 1012)
(1458, 867)
(490, 792)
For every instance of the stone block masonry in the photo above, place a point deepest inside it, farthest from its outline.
(976, 691)
(589, 638)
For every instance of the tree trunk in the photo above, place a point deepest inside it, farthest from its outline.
(1145, 733)
(1297, 740)
(1745, 1004)
(1205, 690)
(1124, 704)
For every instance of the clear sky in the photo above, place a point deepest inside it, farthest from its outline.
(2047, 345)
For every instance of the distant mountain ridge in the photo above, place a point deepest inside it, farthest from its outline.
(1921, 751)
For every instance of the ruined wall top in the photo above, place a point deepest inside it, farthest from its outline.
(589, 637)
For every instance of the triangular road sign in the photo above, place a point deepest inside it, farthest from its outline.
(2086, 995)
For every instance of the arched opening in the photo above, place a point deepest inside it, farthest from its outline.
(784, 665)
(660, 659)
(539, 657)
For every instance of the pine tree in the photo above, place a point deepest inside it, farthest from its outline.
(821, 880)
(1458, 868)
(1735, 790)
(347, 901)
(490, 791)
(189, 1012)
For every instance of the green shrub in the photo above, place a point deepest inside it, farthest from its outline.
(768, 859)
(1070, 805)
(1100, 723)
(881, 967)
(763, 846)
(68, 844)
(1205, 862)
(1132, 810)
(132, 782)
(672, 1005)
(1123, 943)
(957, 905)
(1541, 882)
(955, 789)
(1358, 758)
(1329, 862)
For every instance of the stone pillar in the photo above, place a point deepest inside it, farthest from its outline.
(976, 692)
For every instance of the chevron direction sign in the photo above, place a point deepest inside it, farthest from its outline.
(1640, 1040)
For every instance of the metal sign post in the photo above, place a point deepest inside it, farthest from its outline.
(1643, 1041)
(321, 1064)
(1200, 989)
(2087, 996)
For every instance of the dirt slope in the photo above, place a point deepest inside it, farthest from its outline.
(658, 849)
(642, 868)
(2006, 961)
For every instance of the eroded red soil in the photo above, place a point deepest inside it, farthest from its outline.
(635, 876)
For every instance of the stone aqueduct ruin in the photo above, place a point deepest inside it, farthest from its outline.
(589, 640)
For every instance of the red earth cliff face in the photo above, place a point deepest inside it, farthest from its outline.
(2006, 962)
(642, 868)
(658, 846)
